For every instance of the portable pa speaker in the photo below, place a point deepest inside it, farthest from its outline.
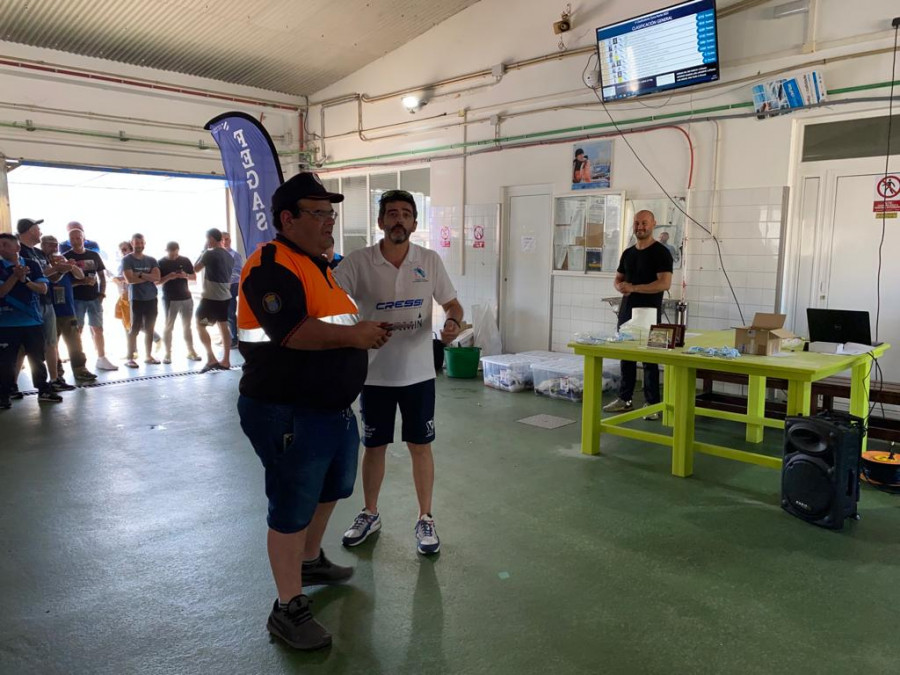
(820, 475)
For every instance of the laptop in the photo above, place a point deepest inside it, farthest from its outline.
(839, 326)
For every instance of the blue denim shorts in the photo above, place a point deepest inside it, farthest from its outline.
(310, 457)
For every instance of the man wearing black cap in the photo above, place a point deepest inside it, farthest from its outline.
(304, 364)
(30, 240)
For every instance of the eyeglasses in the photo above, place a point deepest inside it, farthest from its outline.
(320, 215)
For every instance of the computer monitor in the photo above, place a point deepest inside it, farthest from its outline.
(658, 51)
(839, 325)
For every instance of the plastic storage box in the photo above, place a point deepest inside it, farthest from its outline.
(560, 378)
(508, 372)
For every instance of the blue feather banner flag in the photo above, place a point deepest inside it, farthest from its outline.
(253, 173)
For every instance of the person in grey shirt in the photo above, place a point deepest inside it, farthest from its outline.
(217, 264)
(141, 273)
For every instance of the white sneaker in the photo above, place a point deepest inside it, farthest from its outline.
(104, 363)
(427, 541)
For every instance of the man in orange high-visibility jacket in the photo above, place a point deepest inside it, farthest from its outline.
(305, 362)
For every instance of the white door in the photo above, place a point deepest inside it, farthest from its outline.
(849, 279)
(525, 289)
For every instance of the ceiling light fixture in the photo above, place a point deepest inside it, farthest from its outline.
(412, 103)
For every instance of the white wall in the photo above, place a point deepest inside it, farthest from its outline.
(735, 155)
(165, 127)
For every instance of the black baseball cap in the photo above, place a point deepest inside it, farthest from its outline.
(26, 224)
(304, 185)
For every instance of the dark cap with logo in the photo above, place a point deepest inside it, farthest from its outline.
(26, 224)
(304, 185)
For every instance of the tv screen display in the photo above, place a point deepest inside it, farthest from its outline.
(666, 49)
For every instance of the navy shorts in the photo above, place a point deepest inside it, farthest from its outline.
(310, 457)
(379, 411)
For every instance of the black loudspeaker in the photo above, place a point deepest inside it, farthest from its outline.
(820, 475)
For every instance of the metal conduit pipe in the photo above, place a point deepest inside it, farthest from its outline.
(525, 140)
(199, 145)
(361, 131)
(106, 78)
(517, 65)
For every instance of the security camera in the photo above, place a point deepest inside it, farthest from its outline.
(563, 26)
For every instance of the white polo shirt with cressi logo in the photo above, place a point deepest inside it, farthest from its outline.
(403, 298)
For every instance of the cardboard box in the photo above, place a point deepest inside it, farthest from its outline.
(763, 337)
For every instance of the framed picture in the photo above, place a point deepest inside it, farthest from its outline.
(661, 338)
(591, 165)
(678, 330)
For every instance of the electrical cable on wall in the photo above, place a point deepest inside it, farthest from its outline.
(593, 87)
(887, 159)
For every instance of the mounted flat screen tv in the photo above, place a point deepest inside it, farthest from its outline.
(667, 49)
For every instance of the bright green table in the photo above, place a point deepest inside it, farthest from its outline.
(800, 369)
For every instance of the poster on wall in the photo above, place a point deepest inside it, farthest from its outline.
(591, 165)
(669, 230)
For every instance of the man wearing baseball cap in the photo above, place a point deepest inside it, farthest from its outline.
(305, 362)
(30, 249)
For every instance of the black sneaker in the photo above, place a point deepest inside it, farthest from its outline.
(60, 384)
(323, 571)
(49, 397)
(16, 395)
(296, 625)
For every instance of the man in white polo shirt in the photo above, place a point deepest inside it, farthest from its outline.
(395, 282)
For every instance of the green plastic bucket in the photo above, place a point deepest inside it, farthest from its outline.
(462, 361)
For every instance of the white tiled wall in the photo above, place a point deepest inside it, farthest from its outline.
(748, 224)
(478, 282)
(578, 307)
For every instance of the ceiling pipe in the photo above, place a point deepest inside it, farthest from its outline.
(154, 85)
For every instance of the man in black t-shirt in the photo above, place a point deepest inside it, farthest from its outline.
(176, 271)
(644, 274)
(90, 293)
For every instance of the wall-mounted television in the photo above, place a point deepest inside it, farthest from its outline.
(667, 49)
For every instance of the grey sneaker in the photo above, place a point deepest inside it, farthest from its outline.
(296, 625)
(49, 396)
(618, 406)
(652, 416)
(365, 524)
(323, 571)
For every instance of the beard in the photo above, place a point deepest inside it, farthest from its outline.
(398, 234)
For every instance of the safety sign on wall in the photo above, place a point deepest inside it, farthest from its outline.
(887, 196)
(478, 233)
(445, 237)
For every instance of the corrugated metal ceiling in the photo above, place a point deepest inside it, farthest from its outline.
(291, 46)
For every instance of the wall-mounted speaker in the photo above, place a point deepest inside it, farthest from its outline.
(820, 474)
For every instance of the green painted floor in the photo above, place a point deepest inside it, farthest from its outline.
(132, 541)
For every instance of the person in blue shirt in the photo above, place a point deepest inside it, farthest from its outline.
(21, 317)
(63, 297)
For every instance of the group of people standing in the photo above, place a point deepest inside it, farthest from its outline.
(143, 274)
(54, 289)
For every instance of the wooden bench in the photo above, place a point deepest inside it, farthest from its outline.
(827, 390)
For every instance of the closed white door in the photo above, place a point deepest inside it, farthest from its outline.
(850, 279)
(525, 301)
